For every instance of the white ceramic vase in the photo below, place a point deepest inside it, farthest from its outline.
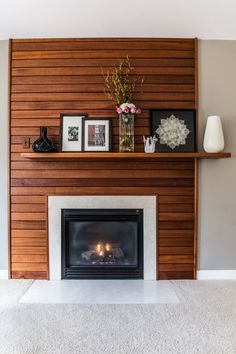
(213, 137)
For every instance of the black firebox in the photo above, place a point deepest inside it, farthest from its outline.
(102, 243)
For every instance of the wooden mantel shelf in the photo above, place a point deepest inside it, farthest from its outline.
(118, 155)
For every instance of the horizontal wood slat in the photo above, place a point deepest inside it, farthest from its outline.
(29, 250)
(175, 242)
(99, 62)
(176, 259)
(87, 96)
(28, 216)
(28, 233)
(103, 174)
(54, 76)
(177, 233)
(176, 216)
(86, 79)
(94, 71)
(33, 258)
(98, 88)
(175, 274)
(173, 267)
(103, 182)
(27, 191)
(97, 45)
(29, 266)
(29, 274)
(107, 54)
(84, 106)
(29, 241)
(26, 200)
(173, 208)
(100, 165)
(28, 208)
(176, 250)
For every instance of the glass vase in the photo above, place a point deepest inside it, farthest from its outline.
(126, 132)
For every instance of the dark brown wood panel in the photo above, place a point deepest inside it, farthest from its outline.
(42, 191)
(107, 54)
(84, 96)
(51, 76)
(99, 62)
(121, 45)
(86, 79)
(187, 88)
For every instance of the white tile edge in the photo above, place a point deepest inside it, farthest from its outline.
(135, 201)
(3, 274)
(229, 274)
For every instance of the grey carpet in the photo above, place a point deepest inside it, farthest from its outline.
(204, 322)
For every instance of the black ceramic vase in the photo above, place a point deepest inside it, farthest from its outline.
(43, 143)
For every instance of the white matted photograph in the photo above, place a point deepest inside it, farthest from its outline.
(97, 134)
(71, 132)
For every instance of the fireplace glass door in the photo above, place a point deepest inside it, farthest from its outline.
(104, 243)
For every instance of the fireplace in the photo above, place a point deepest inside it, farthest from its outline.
(146, 204)
(102, 243)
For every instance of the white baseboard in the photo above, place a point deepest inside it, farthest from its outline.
(216, 274)
(3, 274)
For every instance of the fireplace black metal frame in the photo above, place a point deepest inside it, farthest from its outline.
(101, 272)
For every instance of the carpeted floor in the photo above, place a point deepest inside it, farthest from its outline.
(204, 322)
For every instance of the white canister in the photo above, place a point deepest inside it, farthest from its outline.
(213, 137)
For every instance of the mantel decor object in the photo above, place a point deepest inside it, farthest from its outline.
(175, 129)
(126, 113)
(43, 143)
(126, 132)
(149, 144)
(213, 137)
(97, 134)
(120, 87)
(71, 132)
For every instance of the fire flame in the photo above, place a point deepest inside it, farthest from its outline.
(101, 249)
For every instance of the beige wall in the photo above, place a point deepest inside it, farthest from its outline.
(217, 193)
(3, 153)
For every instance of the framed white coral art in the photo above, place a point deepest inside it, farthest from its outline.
(175, 130)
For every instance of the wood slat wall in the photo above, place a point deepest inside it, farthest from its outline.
(52, 76)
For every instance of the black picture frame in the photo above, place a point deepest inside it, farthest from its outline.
(108, 135)
(186, 115)
(71, 146)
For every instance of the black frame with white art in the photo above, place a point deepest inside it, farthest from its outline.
(185, 125)
(104, 142)
(71, 123)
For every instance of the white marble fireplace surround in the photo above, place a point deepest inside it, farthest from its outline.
(147, 203)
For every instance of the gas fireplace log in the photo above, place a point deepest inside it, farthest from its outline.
(115, 252)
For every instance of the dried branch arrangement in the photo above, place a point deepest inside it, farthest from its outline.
(121, 84)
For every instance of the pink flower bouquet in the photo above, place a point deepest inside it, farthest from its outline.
(128, 108)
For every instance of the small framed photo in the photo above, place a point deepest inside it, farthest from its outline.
(97, 134)
(175, 129)
(71, 132)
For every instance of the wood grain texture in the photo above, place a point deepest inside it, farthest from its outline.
(124, 156)
(29, 274)
(53, 76)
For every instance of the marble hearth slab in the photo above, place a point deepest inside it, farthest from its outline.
(101, 292)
